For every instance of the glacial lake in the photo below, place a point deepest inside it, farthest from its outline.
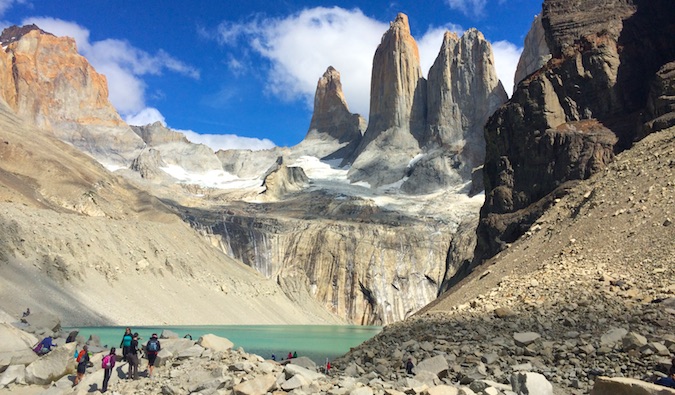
(318, 342)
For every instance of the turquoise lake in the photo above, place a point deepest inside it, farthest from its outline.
(318, 342)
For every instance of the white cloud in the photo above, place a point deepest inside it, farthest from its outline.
(468, 7)
(7, 4)
(146, 116)
(227, 141)
(506, 61)
(302, 46)
(121, 63)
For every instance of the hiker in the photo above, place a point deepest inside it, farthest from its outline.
(327, 366)
(132, 357)
(27, 312)
(295, 354)
(274, 357)
(290, 355)
(126, 343)
(44, 346)
(409, 366)
(108, 363)
(82, 362)
(151, 350)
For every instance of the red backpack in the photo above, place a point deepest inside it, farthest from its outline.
(80, 356)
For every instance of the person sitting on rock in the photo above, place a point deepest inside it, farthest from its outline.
(44, 346)
(27, 312)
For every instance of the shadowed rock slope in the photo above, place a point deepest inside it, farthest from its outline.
(592, 280)
(86, 245)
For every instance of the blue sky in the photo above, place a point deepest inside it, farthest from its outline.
(242, 74)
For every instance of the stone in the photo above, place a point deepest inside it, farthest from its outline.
(168, 334)
(524, 339)
(52, 366)
(531, 383)
(613, 336)
(633, 341)
(163, 356)
(194, 351)
(257, 386)
(362, 391)
(41, 319)
(535, 52)
(294, 382)
(13, 374)
(442, 390)
(437, 365)
(625, 385)
(16, 346)
(215, 343)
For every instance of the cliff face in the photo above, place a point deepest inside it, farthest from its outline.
(463, 91)
(535, 52)
(54, 87)
(566, 121)
(397, 109)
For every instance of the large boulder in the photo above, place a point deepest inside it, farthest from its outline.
(16, 346)
(530, 383)
(52, 366)
(13, 374)
(437, 365)
(215, 343)
(41, 320)
(258, 386)
(627, 386)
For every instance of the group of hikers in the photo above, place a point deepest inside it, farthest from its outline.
(130, 354)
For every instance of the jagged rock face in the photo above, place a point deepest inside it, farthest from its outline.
(57, 89)
(156, 134)
(176, 150)
(462, 92)
(247, 163)
(397, 109)
(368, 273)
(535, 52)
(660, 111)
(566, 120)
(331, 119)
(281, 180)
(148, 164)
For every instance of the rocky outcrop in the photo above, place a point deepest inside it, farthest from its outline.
(156, 134)
(535, 52)
(54, 87)
(397, 109)
(281, 180)
(566, 120)
(148, 164)
(359, 261)
(333, 130)
(462, 92)
(248, 163)
(660, 111)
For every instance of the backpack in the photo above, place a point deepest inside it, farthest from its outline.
(81, 355)
(106, 362)
(153, 346)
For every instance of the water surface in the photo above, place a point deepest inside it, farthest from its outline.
(318, 342)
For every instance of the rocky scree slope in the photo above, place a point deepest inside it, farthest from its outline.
(590, 285)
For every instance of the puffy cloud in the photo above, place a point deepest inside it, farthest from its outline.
(7, 4)
(301, 46)
(227, 141)
(506, 62)
(121, 63)
(146, 116)
(473, 8)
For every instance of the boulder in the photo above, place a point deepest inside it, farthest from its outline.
(194, 351)
(294, 382)
(624, 385)
(442, 390)
(524, 339)
(258, 386)
(437, 365)
(305, 363)
(174, 346)
(52, 366)
(40, 319)
(612, 336)
(215, 343)
(530, 383)
(13, 374)
(162, 357)
(16, 346)
(168, 334)
(291, 370)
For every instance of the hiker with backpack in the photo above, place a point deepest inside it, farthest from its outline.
(132, 358)
(126, 343)
(82, 362)
(108, 363)
(44, 346)
(151, 350)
